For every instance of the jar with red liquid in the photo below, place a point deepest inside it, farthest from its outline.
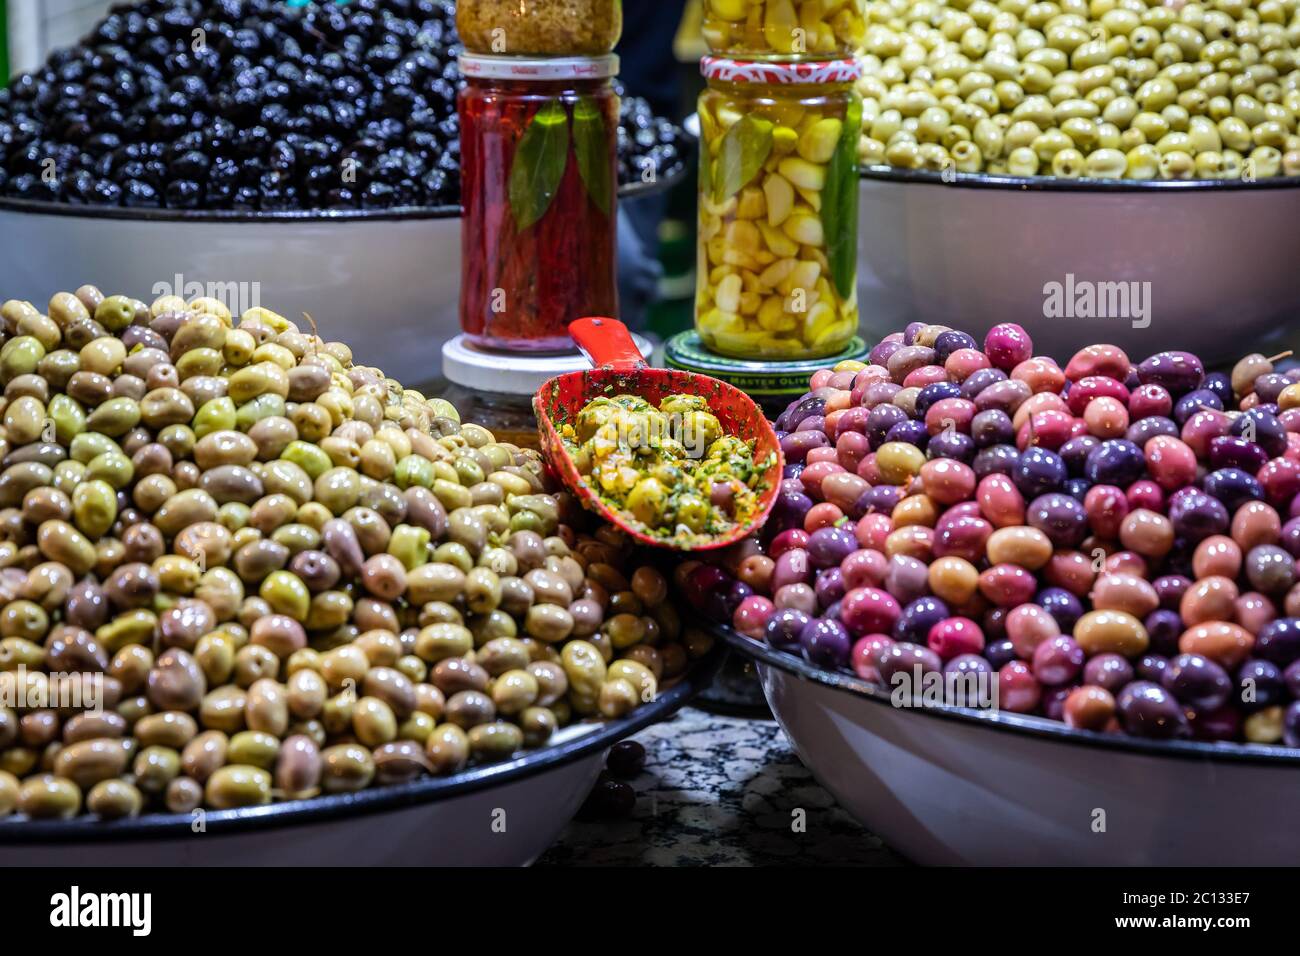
(539, 184)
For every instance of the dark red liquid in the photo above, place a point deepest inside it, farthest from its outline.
(521, 288)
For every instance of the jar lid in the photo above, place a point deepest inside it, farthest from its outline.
(764, 381)
(539, 68)
(761, 71)
(510, 373)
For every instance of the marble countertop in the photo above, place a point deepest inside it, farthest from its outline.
(722, 791)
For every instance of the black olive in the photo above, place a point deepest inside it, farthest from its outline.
(138, 194)
(140, 114)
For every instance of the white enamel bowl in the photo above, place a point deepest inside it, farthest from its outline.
(387, 282)
(1219, 256)
(946, 785)
(503, 814)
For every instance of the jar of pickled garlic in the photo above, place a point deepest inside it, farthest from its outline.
(778, 209)
(785, 29)
(539, 178)
(539, 27)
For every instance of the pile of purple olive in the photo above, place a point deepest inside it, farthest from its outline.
(1113, 544)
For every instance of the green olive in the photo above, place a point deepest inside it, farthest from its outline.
(495, 741)
(49, 797)
(114, 799)
(447, 749)
(253, 747)
(346, 768)
(237, 785)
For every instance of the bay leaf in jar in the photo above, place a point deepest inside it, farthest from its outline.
(741, 154)
(592, 148)
(539, 164)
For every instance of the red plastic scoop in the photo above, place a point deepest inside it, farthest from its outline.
(618, 369)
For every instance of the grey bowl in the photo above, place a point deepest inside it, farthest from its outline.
(948, 785)
(386, 282)
(973, 250)
(502, 814)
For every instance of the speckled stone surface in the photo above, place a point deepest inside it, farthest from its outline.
(722, 791)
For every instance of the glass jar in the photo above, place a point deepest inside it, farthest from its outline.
(778, 209)
(785, 29)
(539, 27)
(538, 146)
(510, 418)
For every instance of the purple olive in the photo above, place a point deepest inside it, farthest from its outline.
(1197, 681)
(1145, 429)
(1063, 606)
(1224, 723)
(827, 547)
(1164, 627)
(1178, 372)
(1148, 710)
(1110, 671)
(996, 459)
(1195, 515)
(883, 498)
(1058, 660)
(796, 445)
(1263, 428)
(1279, 641)
(1229, 451)
(826, 643)
(721, 604)
(906, 578)
(1170, 588)
(829, 588)
(1233, 486)
(918, 617)
(1151, 667)
(881, 353)
(1115, 462)
(1260, 684)
(1060, 517)
(905, 658)
(1291, 537)
(1053, 701)
(784, 627)
(1292, 678)
(880, 420)
(981, 379)
(788, 511)
(810, 404)
(1291, 725)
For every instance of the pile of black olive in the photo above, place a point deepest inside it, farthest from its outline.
(257, 105)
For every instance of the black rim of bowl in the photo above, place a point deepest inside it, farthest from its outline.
(40, 207)
(1053, 184)
(1005, 721)
(161, 826)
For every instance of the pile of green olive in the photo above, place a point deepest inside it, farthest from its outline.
(236, 567)
(1099, 89)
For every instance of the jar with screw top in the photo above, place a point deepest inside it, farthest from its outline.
(539, 196)
(785, 29)
(535, 28)
(778, 209)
